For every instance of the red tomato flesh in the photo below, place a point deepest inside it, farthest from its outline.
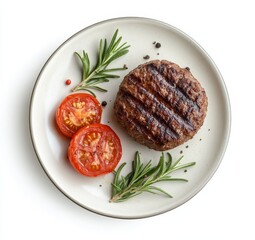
(76, 111)
(95, 150)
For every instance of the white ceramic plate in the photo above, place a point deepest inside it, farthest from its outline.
(206, 148)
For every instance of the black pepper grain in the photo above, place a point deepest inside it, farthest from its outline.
(125, 66)
(146, 57)
(158, 45)
(185, 170)
(104, 103)
(181, 152)
(187, 146)
(187, 68)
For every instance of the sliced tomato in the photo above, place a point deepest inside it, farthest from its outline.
(76, 111)
(95, 150)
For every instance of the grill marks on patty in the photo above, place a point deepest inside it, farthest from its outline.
(159, 104)
(153, 126)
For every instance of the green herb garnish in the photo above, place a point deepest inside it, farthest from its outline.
(91, 77)
(142, 177)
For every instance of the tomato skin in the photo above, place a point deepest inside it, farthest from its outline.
(95, 150)
(76, 111)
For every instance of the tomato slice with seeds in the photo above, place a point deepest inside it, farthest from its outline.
(76, 111)
(95, 150)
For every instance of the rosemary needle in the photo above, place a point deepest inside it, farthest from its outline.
(100, 73)
(142, 177)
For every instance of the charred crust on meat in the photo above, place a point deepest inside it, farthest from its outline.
(160, 104)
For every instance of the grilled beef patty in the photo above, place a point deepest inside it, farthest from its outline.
(160, 104)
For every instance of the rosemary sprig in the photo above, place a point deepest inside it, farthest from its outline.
(142, 177)
(107, 53)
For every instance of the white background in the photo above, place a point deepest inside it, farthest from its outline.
(30, 205)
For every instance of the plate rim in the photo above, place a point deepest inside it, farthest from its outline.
(215, 68)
